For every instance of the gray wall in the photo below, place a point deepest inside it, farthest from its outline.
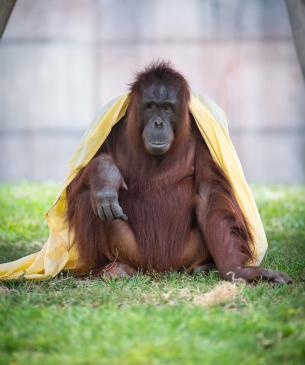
(61, 60)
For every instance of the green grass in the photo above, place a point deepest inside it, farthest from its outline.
(146, 320)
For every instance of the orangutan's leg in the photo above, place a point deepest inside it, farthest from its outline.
(122, 245)
(195, 254)
(122, 251)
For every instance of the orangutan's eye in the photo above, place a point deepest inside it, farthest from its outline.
(167, 107)
(149, 106)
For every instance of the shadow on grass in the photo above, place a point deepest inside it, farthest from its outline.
(11, 252)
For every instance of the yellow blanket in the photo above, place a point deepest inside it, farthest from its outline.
(58, 253)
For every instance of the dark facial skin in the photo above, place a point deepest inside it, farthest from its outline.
(158, 109)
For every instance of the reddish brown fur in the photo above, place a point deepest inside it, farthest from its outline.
(166, 197)
(222, 218)
(88, 232)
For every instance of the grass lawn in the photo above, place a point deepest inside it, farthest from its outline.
(152, 320)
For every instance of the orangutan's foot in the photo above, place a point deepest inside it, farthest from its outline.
(117, 270)
(254, 274)
(203, 268)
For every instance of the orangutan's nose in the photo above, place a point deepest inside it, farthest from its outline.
(159, 123)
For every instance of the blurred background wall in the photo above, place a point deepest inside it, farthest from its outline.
(61, 60)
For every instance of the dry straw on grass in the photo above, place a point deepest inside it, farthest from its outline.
(4, 289)
(221, 293)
